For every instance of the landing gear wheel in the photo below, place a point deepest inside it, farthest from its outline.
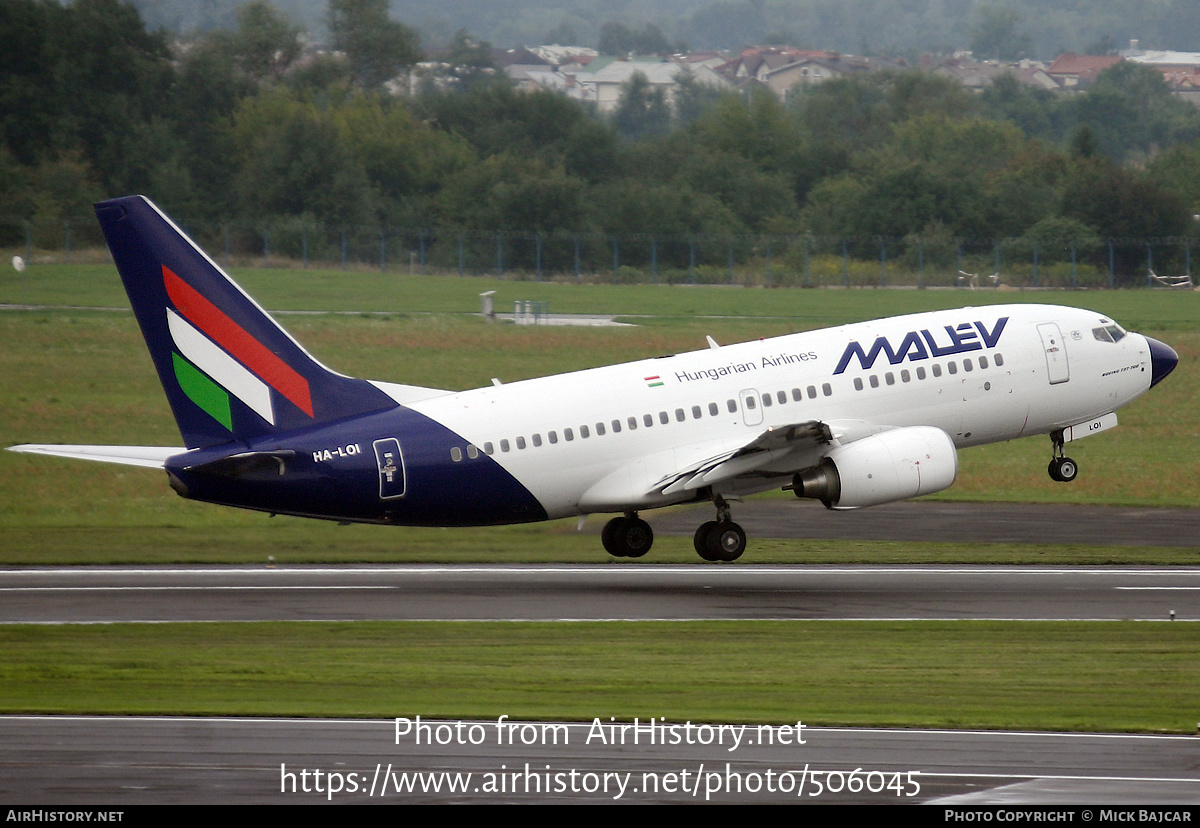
(1063, 469)
(728, 540)
(627, 537)
(701, 541)
(720, 541)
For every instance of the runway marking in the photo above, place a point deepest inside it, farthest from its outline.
(182, 588)
(1166, 588)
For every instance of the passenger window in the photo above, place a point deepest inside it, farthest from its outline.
(472, 452)
(999, 360)
(599, 429)
(504, 445)
(663, 417)
(827, 389)
(952, 367)
(812, 392)
(874, 381)
(781, 396)
(983, 363)
(456, 454)
(616, 426)
(921, 373)
(647, 420)
(553, 435)
(679, 415)
(968, 366)
(858, 385)
(632, 422)
(568, 434)
(905, 376)
(713, 410)
(584, 432)
(489, 449)
(889, 378)
(537, 440)
(937, 370)
(696, 412)
(520, 442)
(750, 403)
(766, 400)
(731, 405)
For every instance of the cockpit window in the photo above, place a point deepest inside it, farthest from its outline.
(1109, 333)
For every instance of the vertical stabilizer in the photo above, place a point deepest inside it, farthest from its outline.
(229, 371)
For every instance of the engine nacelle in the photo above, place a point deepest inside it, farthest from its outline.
(892, 465)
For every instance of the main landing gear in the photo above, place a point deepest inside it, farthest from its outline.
(627, 536)
(720, 539)
(1062, 469)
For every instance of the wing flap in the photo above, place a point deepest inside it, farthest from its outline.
(766, 447)
(151, 457)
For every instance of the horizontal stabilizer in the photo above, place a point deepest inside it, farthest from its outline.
(151, 457)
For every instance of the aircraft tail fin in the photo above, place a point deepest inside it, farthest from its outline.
(229, 370)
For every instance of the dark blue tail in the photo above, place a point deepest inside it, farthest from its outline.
(229, 370)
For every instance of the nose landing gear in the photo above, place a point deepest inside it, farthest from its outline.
(1061, 469)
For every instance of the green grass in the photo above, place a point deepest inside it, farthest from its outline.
(280, 289)
(1068, 676)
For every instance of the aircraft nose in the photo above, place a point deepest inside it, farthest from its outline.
(1163, 360)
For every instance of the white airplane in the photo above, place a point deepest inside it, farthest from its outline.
(853, 416)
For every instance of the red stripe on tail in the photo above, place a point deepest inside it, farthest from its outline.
(237, 341)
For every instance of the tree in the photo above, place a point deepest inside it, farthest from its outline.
(265, 42)
(642, 110)
(996, 37)
(378, 47)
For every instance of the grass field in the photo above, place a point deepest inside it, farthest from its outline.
(1070, 676)
(84, 376)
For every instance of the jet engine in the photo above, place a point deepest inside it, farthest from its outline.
(892, 465)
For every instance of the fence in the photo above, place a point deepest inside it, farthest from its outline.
(773, 260)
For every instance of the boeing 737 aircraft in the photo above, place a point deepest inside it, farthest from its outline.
(853, 416)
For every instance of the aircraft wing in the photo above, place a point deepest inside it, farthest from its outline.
(151, 457)
(766, 448)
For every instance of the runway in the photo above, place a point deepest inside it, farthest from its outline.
(596, 593)
(121, 761)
